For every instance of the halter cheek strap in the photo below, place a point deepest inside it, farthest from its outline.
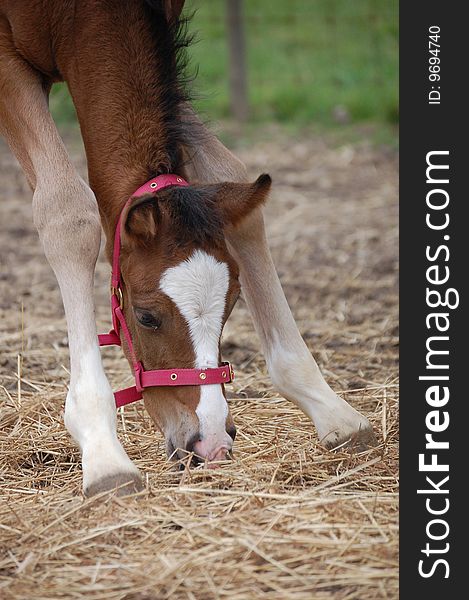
(157, 377)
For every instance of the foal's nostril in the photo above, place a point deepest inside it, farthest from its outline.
(231, 431)
(192, 442)
(190, 447)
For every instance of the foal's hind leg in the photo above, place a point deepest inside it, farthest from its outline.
(293, 370)
(66, 215)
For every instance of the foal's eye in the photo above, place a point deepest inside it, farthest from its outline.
(147, 319)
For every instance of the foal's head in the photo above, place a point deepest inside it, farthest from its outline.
(180, 286)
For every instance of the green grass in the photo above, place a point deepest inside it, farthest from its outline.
(307, 60)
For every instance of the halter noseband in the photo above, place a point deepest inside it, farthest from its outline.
(156, 377)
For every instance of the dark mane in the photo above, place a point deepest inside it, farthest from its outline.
(190, 212)
(194, 213)
(172, 81)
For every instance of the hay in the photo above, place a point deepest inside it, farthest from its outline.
(286, 519)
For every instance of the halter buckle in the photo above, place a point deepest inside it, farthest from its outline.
(229, 370)
(117, 292)
(138, 369)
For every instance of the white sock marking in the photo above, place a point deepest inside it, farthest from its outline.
(90, 417)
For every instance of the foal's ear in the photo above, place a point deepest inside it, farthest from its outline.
(141, 220)
(237, 200)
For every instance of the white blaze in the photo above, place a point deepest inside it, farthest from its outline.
(198, 287)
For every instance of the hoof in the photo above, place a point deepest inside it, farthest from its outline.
(122, 484)
(359, 441)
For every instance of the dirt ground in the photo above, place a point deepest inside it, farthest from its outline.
(286, 519)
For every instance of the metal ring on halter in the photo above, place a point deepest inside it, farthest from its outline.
(117, 292)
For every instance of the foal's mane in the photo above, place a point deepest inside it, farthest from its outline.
(195, 213)
(171, 40)
(191, 212)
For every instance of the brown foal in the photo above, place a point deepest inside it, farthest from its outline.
(185, 251)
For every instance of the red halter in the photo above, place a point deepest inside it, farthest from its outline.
(157, 377)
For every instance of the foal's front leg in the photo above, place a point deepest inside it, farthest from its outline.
(291, 366)
(66, 215)
(67, 219)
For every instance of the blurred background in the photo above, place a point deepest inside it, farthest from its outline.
(324, 64)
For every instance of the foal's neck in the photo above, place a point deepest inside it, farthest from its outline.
(124, 82)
